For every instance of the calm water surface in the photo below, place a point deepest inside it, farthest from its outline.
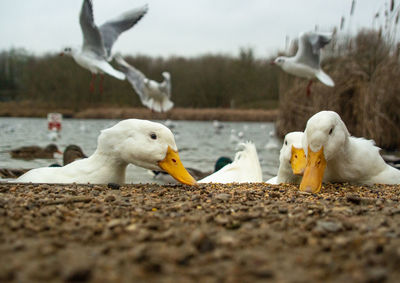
(199, 143)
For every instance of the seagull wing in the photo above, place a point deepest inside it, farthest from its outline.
(167, 83)
(92, 41)
(134, 76)
(111, 30)
(310, 44)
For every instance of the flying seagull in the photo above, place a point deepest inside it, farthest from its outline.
(98, 41)
(155, 96)
(306, 63)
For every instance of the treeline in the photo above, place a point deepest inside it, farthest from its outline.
(206, 81)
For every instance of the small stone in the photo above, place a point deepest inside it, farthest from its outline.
(201, 241)
(113, 186)
(283, 210)
(110, 198)
(328, 226)
(223, 197)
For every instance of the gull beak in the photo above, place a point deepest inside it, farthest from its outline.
(61, 54)
(298, 161)
(314, 171)
(172, 165)
(272, 63)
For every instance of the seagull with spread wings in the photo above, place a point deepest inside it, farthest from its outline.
(98, 41)
(306, 63)
(154, 95)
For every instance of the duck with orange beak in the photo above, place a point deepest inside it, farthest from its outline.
(140, 142)
(335, 156)
(292, 160)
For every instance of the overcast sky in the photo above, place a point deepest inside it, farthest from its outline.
(179, 27)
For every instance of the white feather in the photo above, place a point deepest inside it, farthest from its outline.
(244, 169)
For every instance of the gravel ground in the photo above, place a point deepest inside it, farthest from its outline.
(208, 233)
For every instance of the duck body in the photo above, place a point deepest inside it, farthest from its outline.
(244, 169)
(359, 162)
(97, 169)
(132, 141)
(33, 152)
(335, 156)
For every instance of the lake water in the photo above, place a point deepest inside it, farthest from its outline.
(199, 144)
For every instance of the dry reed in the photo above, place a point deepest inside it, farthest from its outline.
(366, 94)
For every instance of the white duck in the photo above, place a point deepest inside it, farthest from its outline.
(328, 143)
(98, 41)
(292, 160)
(140, 142)
(306, 63)
(155, 96)
(244, 169)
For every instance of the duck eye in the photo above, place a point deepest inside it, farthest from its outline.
(285, 142)
(331, 130)
(153, 136)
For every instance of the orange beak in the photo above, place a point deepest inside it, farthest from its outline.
(298, 161)
(314, 171)
(172, 165)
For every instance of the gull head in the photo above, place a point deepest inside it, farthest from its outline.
(279, 61)
(68, 51)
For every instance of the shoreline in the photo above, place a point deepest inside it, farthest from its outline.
(12, 109)
(210, 232)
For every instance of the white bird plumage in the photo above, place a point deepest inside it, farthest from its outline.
(306, 63)
(244, 169)
(348, 159)
(98, 41)
(285, 172)
(139, 142)
(156, 96)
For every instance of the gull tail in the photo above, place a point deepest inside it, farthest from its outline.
(324, 78)
(159, 106)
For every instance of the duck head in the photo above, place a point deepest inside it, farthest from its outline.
(52, 148)
(324, 138)
(292, 153)
(146, 144)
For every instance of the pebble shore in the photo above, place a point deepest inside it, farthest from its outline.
(204, 233)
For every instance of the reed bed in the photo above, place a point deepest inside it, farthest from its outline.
(366, 72)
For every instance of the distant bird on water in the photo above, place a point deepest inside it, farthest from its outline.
(306, 63)
(155, 96)
(98, 41)
(33, 152)
(72, 153)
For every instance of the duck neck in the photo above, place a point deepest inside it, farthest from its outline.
(285, 175)
(110, 167)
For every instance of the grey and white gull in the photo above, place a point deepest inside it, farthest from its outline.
(306, 63)
(154, 95)
(98, 41)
